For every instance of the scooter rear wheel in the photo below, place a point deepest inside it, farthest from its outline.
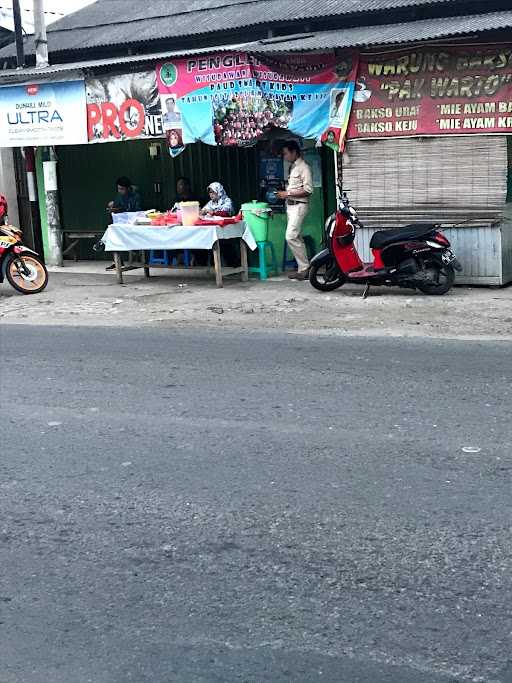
(443, 278)
(326, 276)
(27, 273)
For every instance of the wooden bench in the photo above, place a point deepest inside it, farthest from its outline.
(74, 236)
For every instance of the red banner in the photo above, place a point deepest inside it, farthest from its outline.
(433, 91)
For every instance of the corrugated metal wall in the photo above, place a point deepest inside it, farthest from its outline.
(506, 245)
(443, 179)
(236, 169)
(485, 252)
(87, 176)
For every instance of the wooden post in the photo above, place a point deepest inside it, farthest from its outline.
(218, 263)
(243, 261)
(119, 267)
(145, 262)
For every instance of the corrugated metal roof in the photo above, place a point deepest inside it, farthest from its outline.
(53, 11)
(56, 71)
(206, 12)
(387, 34)
(119, 22)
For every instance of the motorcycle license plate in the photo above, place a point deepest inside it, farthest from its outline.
(448, 257)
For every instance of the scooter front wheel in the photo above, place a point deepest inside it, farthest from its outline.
(326, 276)
(27, 273)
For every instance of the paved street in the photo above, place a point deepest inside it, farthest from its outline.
(209, 506)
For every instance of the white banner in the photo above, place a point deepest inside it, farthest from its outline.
(43, 114)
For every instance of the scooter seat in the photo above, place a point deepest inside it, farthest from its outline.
(383, 238)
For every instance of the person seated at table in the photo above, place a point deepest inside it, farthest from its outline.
(127, 198)
(220, 204)
(184, 192)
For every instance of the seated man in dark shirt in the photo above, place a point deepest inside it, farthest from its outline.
(127, 199)
(184, 192)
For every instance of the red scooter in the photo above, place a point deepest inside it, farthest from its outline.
(417, 256)
(23, 268)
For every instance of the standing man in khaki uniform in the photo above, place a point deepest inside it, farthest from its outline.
(297, 195)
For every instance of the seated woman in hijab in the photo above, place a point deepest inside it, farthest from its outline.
(220, 204)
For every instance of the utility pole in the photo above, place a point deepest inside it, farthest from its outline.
(28, 152)
(18, 33)
(40, 39)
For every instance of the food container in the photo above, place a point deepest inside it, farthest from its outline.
(189, 212)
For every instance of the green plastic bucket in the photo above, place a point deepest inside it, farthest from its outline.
(257, 215)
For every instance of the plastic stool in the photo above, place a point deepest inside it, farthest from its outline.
(186, 258)
(262, 269)
(159, 258)
(292, 263)
(164, 258)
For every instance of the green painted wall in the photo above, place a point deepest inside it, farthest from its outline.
(87, 175)
(323, 202)
(42, 200)
(312, 226)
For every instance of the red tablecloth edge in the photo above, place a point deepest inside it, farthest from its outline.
(220, 223)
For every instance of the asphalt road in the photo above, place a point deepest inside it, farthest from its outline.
(209, 506)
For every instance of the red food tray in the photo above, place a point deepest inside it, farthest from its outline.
(228, 220)
(167, 219)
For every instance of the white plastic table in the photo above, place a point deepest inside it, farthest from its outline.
(123, 237)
